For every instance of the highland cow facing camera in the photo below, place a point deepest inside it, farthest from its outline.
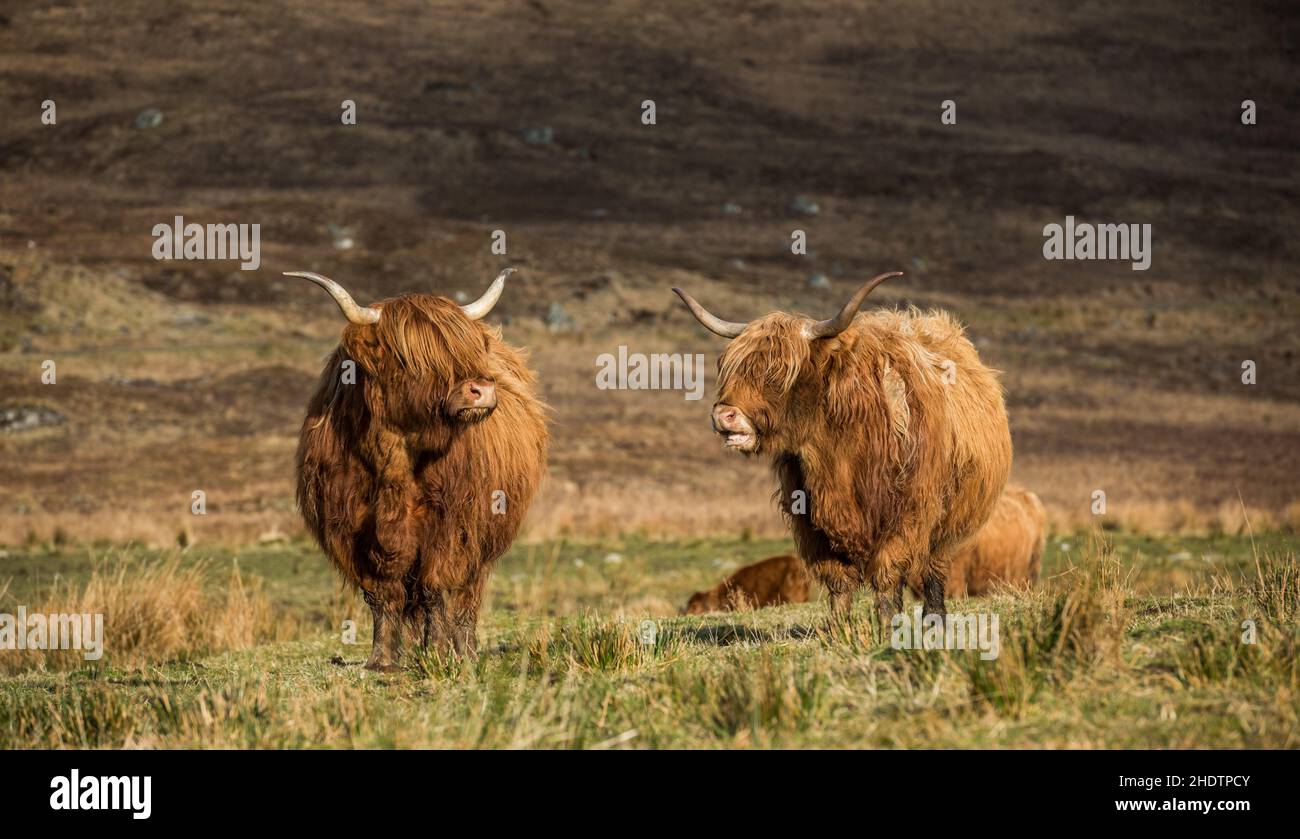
(420, 454)
(888, 436)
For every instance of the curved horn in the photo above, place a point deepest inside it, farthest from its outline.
(353, 312)
(716, 325)
(839, 323)
(480, 307)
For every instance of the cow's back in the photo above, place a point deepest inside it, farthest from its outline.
(770, 582)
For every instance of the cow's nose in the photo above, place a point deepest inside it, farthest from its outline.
(480, 395)
(724, 417)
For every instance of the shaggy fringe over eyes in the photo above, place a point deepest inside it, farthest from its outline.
(771, 354)
(430, 335)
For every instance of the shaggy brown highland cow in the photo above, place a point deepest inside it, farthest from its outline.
(420, 453)
(768, 582)
(1008, 550)
(887, 435)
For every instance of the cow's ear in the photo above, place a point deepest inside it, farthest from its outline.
(362, 345)
(847, 396)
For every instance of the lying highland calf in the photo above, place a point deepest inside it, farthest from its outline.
(420, 453)
(1008, 550)
(887, 435)
(768, 582)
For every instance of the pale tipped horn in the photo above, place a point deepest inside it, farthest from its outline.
(716, 325)
(353, 312)
(480, 307)
(839, 323)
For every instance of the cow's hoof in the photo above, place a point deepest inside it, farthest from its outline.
(383, 667)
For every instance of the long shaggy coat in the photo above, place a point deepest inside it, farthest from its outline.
(768, 582)
(889, 440)
(1007, 551)
(411, 506)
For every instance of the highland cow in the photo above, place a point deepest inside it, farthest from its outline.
(768, 582)
(1007, 551)
(420, 453)
(887, 435)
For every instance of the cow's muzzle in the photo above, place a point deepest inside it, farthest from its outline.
(737, 431)
(472, 400)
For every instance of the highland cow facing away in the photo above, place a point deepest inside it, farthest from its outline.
(887, 434)
(1007, 551)
(420, 453)
(768, 582)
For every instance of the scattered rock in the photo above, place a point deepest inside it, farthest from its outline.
(804, 206)
(557, 319)
(918, 263)
(461, 297)
(17, 418)
(731, 208)
(1181, 556)
(736, 262)
(538, 135)
(149, 118)
(272, 537)
(342, 237)
(613, 558)
(191, 319)
(819, 281)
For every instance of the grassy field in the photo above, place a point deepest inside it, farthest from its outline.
(1130, 641)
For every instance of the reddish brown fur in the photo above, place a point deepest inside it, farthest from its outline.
(768, 582)
(398, 493)
(899, 467)
(1007, 551)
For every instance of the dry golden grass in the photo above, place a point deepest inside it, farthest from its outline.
(153, 611)
(1088, 660)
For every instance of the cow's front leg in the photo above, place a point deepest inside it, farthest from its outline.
(888, 604)
(437, 626)
(386, 612)
(842, 581)
(841, 603)
(463, 614)
(932, 586)
(888, 572)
